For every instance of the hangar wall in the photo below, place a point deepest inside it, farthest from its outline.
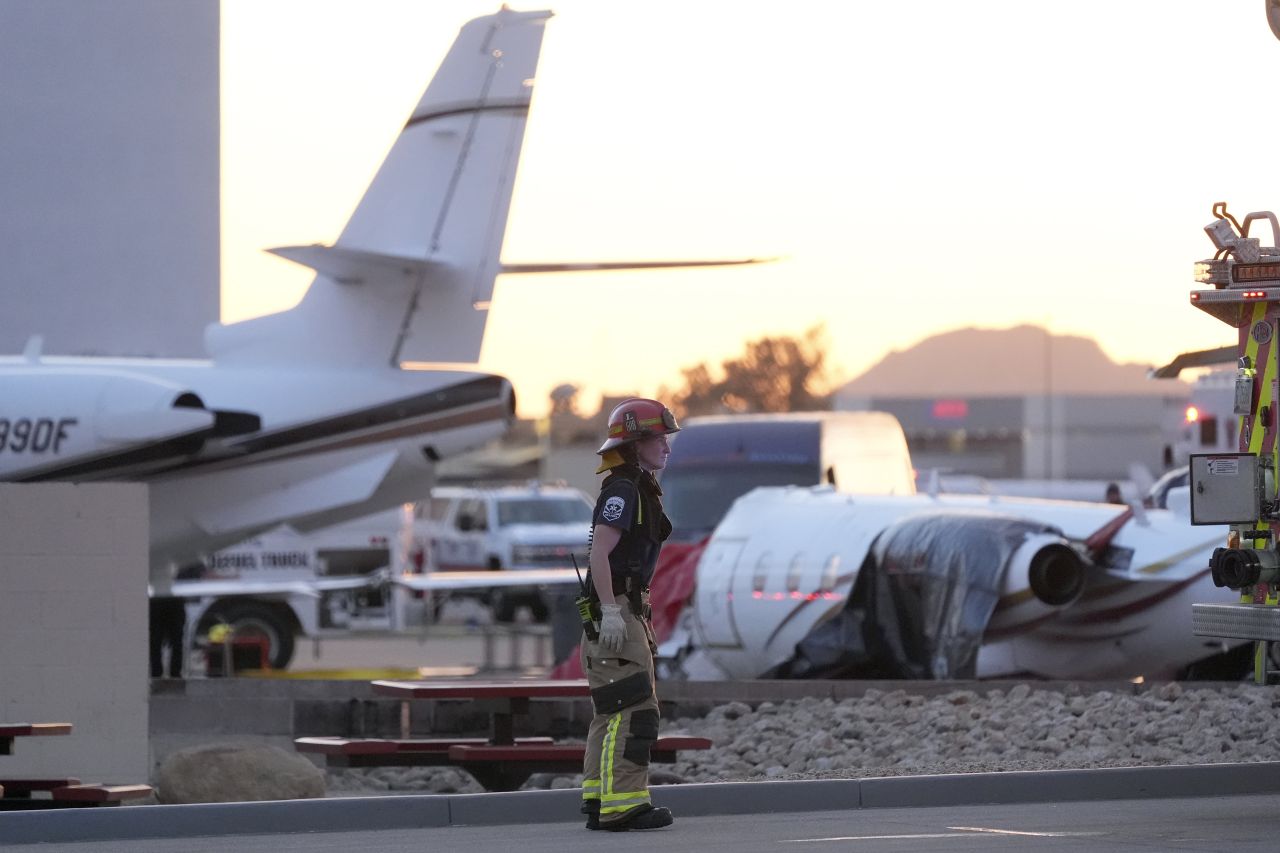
(73, 628)
(109, 125)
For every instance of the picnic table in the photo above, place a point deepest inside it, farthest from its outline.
(9, 732)
(63, 792)
(502, 700)
(500, 762)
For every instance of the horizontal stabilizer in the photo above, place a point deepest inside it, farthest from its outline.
(354, 266)
(604, 266)
(1188, 360)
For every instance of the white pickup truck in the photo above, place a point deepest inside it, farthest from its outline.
(511, 527)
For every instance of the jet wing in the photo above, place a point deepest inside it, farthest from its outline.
(487, 579)
(240, 586)
(433, 581)
(355, 482)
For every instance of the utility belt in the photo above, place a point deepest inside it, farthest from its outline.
(629, 588)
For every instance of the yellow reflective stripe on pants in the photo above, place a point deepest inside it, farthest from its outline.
(612, 776)
(606, 756)
(625, 805)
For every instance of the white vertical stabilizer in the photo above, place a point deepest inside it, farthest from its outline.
(412, 274)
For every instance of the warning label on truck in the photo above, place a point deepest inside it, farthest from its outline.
(1228, 466)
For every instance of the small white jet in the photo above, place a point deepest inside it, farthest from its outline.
(811, 582)
(306, 417)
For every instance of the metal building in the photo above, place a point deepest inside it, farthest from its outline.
(109, 130)
(1034, 436)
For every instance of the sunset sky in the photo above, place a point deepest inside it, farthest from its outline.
(918, 166)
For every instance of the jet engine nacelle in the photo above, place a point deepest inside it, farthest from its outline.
(1044, 574)
(1050, 567)
(81, 422)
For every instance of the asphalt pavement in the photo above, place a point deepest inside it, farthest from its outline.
(1241, 824)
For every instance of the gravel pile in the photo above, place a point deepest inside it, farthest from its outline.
(900, 733)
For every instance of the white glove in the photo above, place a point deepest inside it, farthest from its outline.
(613, 631)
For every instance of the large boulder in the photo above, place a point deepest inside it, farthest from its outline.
(228, 773)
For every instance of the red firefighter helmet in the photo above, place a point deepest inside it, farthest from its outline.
(638, 418)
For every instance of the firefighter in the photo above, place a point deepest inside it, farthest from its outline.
(628, 529)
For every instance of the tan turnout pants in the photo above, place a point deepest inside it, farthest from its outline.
(616, 766)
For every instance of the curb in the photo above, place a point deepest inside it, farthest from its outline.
(363, 814)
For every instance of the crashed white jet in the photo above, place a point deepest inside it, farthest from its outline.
(802, 582)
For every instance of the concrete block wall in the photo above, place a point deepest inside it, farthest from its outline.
(73, 627)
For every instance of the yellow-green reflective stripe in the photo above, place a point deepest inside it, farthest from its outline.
(1264, 374)
(623, 807)
(588, 784)
(630, 795)
(610, 744)
(1260, 374)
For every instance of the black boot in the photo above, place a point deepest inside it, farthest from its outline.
(645, 817)
(592, 811)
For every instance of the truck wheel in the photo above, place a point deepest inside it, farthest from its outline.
(251, 619)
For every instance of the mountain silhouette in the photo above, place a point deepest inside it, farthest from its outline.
(1004, 362)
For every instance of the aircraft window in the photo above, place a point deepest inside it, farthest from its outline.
(793, 572)
(543, 511)
(830, 572)
(1209, 432)
(761, 575)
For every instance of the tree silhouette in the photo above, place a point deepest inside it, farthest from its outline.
(773, 374)
(564, 399)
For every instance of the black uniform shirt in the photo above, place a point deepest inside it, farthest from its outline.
(635, 554)
(617, 505)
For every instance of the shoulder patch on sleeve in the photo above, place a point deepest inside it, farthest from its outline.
(613, 508)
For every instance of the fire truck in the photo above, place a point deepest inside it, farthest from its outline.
(1240, 488)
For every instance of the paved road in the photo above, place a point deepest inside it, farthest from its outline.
(1236, 824)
